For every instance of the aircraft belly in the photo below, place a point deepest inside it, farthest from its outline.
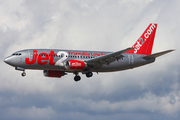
(42, 67)
(115, 66)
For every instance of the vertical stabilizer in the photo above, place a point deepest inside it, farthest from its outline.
(144, 44)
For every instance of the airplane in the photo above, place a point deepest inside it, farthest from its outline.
(58, 62)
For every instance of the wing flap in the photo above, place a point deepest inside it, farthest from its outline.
(157, 54)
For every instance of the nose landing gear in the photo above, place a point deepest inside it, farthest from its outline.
(23, 74)
(21, 69)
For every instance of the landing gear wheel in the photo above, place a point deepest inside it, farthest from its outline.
(23, 74)
(77, 78)
(89, 74)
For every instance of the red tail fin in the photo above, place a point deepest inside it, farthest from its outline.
(145, 43)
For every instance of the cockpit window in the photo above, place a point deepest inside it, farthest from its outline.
(17, 54)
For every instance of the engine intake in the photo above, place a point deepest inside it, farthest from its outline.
(75, 65)
(52, 73)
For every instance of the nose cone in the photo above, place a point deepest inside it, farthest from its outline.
(8, 60)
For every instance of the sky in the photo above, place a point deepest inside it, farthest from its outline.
(144, 93)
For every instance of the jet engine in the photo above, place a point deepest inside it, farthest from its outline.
(75, 65)
(52, 73)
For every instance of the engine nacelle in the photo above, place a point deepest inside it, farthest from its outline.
(75, 65)
(52, 73)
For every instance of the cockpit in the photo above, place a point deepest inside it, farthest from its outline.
(17, 54)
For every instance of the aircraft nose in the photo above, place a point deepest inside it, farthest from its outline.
(8, 60)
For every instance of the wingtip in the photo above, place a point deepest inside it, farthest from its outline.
(171, 50)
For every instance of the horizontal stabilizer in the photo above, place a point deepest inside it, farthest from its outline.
(157, 54)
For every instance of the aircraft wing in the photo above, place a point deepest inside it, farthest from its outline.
(107, 59)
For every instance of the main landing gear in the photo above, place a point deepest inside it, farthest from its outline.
(78, 78)
(89, 74)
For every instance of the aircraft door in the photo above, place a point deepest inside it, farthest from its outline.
(30, 55)
(131, 59)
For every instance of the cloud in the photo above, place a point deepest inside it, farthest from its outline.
(148, 92)
(29, 113)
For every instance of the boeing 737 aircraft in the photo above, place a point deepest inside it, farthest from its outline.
(58, 62)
